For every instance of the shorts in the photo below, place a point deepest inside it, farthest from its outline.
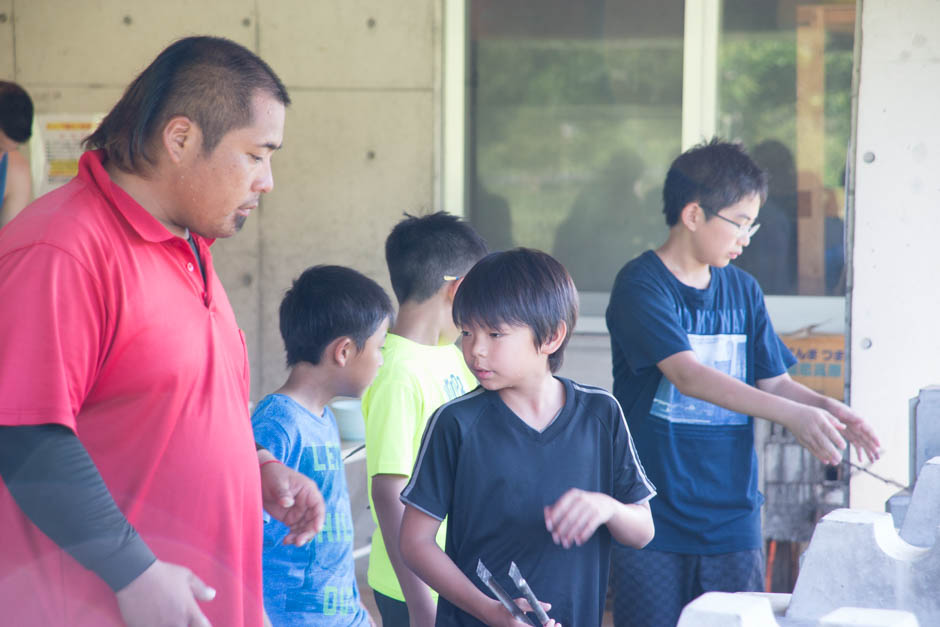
(652, 587)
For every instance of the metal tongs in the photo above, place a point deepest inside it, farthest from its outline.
(486, 577)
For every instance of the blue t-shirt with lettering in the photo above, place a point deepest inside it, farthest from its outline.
(314, 584)
(700, 456)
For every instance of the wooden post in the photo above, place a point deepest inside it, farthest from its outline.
(810, 147)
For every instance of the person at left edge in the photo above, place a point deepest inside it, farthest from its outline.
(131, 485)
(16, 127)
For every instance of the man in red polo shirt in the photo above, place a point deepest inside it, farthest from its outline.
(131, 485)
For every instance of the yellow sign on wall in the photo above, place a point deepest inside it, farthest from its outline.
(56, 146)
(821, 362)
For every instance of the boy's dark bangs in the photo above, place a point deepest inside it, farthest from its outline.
(492, 313)
(482, 305)
(498, 299)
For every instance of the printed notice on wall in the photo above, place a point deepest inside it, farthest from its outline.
(56, 146)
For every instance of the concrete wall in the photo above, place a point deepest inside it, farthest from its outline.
(895, 296)
(359, 146)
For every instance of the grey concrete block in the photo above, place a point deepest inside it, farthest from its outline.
(863, 617)
(898, 505)
(923, 514)
(725, 609)
(797, 489)
(857, 559)
(925, 428)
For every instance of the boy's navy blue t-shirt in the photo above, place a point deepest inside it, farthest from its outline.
(491, 474)
(700, 456)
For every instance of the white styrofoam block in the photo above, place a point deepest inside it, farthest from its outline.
(866, 617)
(726, 609)
(779, 601)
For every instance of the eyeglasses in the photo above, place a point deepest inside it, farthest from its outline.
(743, 229)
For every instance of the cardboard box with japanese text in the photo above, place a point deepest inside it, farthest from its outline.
(821, 362)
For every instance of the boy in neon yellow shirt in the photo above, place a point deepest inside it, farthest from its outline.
(423, 369)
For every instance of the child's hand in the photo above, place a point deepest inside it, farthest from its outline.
(857, 431)
(502, 618)
(818, 431)
(574, 518)
(294, 499)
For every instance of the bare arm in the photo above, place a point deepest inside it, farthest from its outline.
(19, 187)
(389, 510)
(574, 518)
(421, 553)
(292, 498)
(857, 430)
(816, 429)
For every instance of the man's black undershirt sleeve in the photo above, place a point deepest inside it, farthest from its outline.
(56, 484)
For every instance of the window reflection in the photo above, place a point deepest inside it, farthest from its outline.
(575, 112)
(785, 73)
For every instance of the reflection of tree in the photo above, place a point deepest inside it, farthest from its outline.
(757, 91)
(549, 112)
(771, 256)
(548, 115)
(603, 229)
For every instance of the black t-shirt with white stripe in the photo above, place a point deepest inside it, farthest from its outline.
(491, 475)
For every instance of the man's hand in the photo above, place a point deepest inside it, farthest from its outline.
(164, 594)
(574, 518)
(295, 500)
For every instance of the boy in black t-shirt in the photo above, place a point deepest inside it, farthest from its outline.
(528, 468)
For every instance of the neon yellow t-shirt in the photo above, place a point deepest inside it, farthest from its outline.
(414, 380)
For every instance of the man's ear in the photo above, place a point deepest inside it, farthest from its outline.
(557, 338)
(180, 136)
(341, 350)
(692, 216)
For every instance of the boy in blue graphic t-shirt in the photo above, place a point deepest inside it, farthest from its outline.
(695, 357)
(333, 321)
(529, 467)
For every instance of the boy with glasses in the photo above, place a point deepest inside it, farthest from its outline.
(695, 358)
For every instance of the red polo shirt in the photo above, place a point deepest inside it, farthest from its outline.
(107, 327)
